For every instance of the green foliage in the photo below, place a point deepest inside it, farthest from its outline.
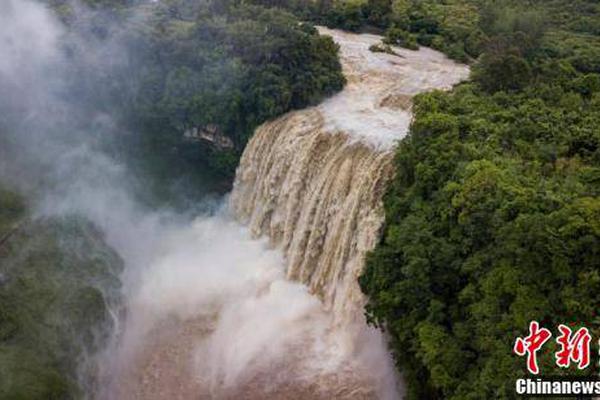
(382, 48)
(514, 37)
(504, 71)
(12, 208)
(493, 220)
(57, 279)
(234, 68)
(399, 37)
(348, 16)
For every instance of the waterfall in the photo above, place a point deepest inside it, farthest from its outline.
(312, 181)
(317, 196)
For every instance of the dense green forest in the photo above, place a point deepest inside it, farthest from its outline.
(230, 68)
(493, 218)
(57, 282)
(196, 67)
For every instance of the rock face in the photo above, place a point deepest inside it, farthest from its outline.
(211, 134)
(313, 180)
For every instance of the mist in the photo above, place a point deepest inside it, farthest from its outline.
(196, 285)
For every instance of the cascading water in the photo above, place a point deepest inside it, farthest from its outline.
(215, 313)
(317, 196)
(313, 180)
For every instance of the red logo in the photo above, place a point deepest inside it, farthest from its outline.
(531, 344)
(573, 347)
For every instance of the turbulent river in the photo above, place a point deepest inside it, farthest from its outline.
(261, 300)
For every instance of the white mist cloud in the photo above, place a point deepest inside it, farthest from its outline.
(28, 39)
(258, 328)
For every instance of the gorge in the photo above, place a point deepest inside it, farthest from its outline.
(309, 187)
(225, 200)
(257, 297)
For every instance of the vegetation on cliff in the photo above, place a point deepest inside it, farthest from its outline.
(233, 68)
(57, 282)
(493, 218)
(192, 79)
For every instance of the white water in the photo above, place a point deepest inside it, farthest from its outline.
(375, 106)
(213, 316)
(212, 311)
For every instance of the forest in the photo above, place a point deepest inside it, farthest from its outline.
(57, 281)
(492, 218)
(183, 68)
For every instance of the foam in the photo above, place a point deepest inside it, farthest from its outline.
(374, 107)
